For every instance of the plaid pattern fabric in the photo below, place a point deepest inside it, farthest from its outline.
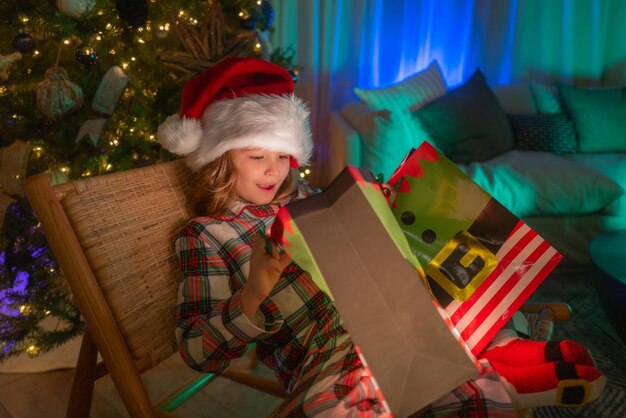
(482, 397)
(297, 330)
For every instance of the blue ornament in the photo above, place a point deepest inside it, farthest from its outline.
(23, 43)
(86, 55)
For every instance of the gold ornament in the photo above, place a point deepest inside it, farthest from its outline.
(5, 64)
(202, 48)
(57, 95)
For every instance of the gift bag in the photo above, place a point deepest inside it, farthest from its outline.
(482, 262)
(349, 242)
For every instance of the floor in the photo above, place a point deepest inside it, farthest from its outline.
(38, 395)
(45, 394)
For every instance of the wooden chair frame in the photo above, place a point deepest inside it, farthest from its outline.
(73, 232)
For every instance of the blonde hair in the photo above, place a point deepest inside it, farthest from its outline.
(217, 186)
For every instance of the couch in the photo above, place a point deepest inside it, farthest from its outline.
(553, 155)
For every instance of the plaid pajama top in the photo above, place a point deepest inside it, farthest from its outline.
(297, 330)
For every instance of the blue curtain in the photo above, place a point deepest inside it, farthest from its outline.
(342, 44)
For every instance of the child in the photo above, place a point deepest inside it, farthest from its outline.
(243, 133)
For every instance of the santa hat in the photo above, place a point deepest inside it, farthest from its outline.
(238, 103)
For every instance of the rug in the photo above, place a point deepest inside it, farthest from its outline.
(589, 326)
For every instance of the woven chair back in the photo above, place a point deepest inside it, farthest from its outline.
(126, 223)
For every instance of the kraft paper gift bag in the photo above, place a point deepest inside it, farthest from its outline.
(350, 243)
(482, 262)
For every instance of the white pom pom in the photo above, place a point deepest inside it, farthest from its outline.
(180, 136)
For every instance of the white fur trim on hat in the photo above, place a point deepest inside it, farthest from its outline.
(180, 135)
(270, 122)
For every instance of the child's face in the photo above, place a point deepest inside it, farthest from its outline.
(259, 173)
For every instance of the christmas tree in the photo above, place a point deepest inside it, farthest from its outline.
(84, 85)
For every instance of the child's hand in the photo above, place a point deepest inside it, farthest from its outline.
(265, 270)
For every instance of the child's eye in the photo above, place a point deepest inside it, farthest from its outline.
(282, 157)
(256, 157)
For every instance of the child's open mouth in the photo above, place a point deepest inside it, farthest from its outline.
(266, 187)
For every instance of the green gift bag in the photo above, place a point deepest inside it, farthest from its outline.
(482, 262)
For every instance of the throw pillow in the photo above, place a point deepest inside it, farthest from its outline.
(468, 123)
(535, 183)
(599, 116)
(612, 165)
(552, 133)
(408, 94)
(545, 99)
(385, 137)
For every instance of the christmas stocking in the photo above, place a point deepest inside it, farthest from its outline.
(555, 383)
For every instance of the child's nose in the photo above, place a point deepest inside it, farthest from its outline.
(272, 167)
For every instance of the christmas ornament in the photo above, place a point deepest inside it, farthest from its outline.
(135, 12)
(75, 8)
(92, 129)
(57, 95)
(105, 100)
(85, 55)
(23, 43)
(203, 47)
(109, 90)
(5, 63)
(13, 162)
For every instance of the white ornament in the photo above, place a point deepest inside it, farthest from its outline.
(109, 91)
(75, 8)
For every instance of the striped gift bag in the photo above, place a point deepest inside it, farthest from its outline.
(482, 262)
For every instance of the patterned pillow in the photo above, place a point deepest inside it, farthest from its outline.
(553, 133)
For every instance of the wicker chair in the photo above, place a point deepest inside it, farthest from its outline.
(112, 236)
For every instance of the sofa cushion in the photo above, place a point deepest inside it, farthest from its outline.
(407, 95)
(545, 98)
(552, 133)
(535, 183)
(599, 116)
(612, 165)
(385, 137)
(468, 123)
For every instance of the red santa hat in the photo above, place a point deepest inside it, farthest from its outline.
(238, 103)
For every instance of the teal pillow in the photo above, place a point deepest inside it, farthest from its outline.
(552, 133)
(599, 116)
(385, 137)
(535, 183)
(467, 123)
(545, 99)
(408, 94)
